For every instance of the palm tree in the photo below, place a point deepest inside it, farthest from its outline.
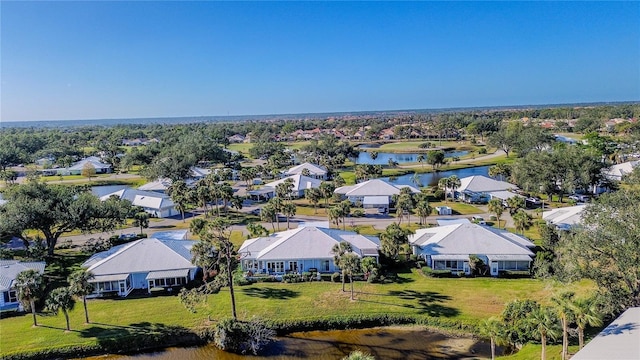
(339, 251)
(30, 284)
(495, 206)
(61, 299)
(545, 325)
(563, 304)
(493, 329)
(141, 219)
(586, 313)
(314, 196)
(345, 209)
(421, 159)
(334, 214)
(351, 264)
(289, 209)
(423, 209)
(277, 204)
(236, 202)
(80, 286)
(444, 185)
(267, 213)
(226, 194)
(522, 221)
(179, 193)
(454, 183)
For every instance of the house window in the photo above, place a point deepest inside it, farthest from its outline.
(275, 266)
(10, 296)
(447, 264)
(325, 265)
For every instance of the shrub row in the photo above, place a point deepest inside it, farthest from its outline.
(283, 327)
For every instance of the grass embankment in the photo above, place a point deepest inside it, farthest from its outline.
(463, 300)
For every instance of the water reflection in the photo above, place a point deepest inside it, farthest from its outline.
(431, 179)
(383, 343)
(383, 157)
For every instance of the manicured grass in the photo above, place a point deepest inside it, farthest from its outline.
(460, 208)
(241, 148)
(468, 300)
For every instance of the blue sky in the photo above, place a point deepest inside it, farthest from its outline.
(93, 60)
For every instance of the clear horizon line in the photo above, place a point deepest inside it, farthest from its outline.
(336, 112)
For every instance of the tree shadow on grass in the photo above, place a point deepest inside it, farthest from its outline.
(426, 303)
(139, 336)
(269, 293)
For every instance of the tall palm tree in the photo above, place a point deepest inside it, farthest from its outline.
(421, 159)
(314, 196)
(61, 299)
(80, 286)
(334, 214)
(522, 220)
(586, 313)
(495, 206)
(545, 325)
(494, 329)
(30, 284)
(423, 210)
(339, 251)
(180, 194)
(267, 213)
(563, 304)
(289, 210)
(351, 264)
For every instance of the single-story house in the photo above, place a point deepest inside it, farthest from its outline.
(156, 204)
(159, 261)
(236, 139)
(302, 249)
(300, 184)
(617, 171)
(565, 218)
(375, 187)
(449, 247)
(9, 270)
(96, 162)
(477, 188)
(619, 340)
(315, 171)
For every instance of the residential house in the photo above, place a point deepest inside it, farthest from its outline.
(444, 210)
(383, 192)
(9, 270)
(479, 189)
(619, 340)
(300, 184)
(156, 204)
(161, 261)
(96, 162)
(303, 249)
(618, 171)
(565, 218)
(315, 171)
(236, 139)
(449, 247)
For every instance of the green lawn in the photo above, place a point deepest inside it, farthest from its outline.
(460, 208)
(468, 300)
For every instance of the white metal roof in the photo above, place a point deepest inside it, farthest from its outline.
(146, 199)
(308, 242)
(479, 183)
(443, 222)
(374, 187)
(9, 270)
(467, 239)
(316, 170)
(300, 182)
(619, 340)
(504, 195)
(565, 217)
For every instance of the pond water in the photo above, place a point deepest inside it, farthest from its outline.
(384, 157)
(431, 179)
(383, 343)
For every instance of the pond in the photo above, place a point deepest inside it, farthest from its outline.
(384, 157)
(431, 179)
(383, 343)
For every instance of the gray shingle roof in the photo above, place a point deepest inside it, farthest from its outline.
(142, 255)
(306, 243)
(9, 269)
(464, 239)
(479, 183)
(374, 187)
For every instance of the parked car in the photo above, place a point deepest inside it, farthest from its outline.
(533, 201)
(579, 198)
(382, 210)
(478, 220)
